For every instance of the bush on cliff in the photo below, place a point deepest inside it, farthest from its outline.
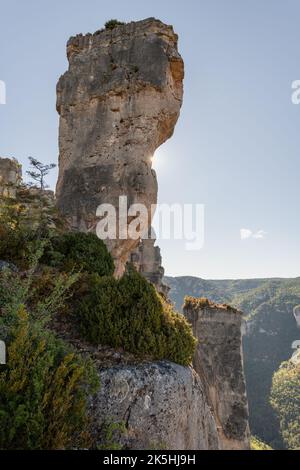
(43, 392)
(285, 399)
(257, 444)
(77, 251)
(45, 386)
(111, 24)
(128, 313)
(18, 246)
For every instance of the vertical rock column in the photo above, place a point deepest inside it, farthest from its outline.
(219, 362)
(118, 102)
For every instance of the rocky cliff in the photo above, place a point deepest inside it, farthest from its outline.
(118, 101)
(161, 406)
(164, 405)
(32, 202)
(219, 362)
(147, 260)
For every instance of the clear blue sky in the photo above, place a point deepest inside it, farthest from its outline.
(236, 145)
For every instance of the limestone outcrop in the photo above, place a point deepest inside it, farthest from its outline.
(164, 405)
(219, 362)
(35, 203)
(10, 176)
(118, 102)
(147, 260)
(161, 405)
(296, 312)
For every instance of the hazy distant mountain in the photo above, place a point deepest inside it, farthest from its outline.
(270, 331)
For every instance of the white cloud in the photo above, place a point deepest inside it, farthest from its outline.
(260, 234)
(247, 233)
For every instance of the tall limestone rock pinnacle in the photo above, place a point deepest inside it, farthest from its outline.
(118, 102)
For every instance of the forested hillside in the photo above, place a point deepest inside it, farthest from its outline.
(270, 331)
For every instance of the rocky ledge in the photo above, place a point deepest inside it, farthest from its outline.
(161, 405)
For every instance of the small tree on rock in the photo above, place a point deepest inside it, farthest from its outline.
(39, 171)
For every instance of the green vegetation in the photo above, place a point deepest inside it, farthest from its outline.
(45, 385)
(54, 278)
(194, 302)
(28, 219)
(78, 251)
(257, 444)
(113, 433)
(128, 313)
(285, 398)
(204, 302)
(39, 171)
(111, 24)
(268, 306)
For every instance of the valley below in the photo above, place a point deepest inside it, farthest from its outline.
(270, 335)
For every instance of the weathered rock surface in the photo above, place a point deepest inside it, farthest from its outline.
(147, 260)
(219, 363)
(163, 406)
(36, 203)
(10, 176)
(118, 102)
(296, 312)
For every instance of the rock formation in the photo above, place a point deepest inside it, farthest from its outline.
(162, 405)
(35, 202)
(296, 312)
(10, 176)
(219, 362)
(118, 102)
(147, 260)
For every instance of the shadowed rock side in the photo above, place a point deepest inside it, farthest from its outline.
(219, 362)
(118, 102)
(162, 405)
(147, 260)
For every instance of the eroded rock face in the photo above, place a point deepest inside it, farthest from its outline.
(147, 260)
(219, 363)
(10, 176)
(296, 312)
(162, 405)
(34, 202)
(118, 102)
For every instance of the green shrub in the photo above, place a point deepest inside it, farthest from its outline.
(17, 245)
(257, 444)
(128, 313)
(44, 388)
(285, 399)
(43, 392)
(79, 251)
(11, 244)
(111, 24)
(196, 302)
